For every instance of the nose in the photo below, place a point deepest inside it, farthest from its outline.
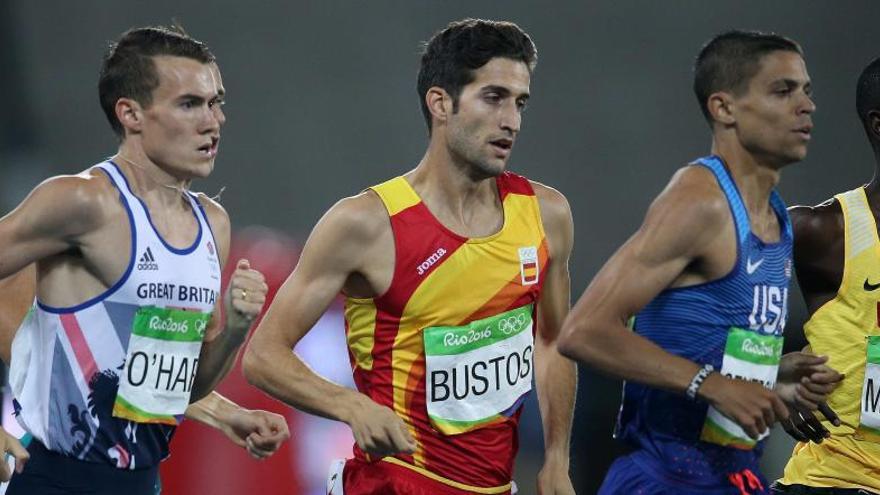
(807, 105)
(218, 114)
(213, 119)
(511, 117)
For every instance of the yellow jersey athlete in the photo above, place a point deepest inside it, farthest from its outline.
(837, 259)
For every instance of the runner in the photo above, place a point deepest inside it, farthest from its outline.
(456, 282)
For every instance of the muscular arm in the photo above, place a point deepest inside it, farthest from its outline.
(678, 232)
(678, 227)
(329, 256)
(55, 217)
(818, 251)
(555, 375)
(224, 336)
(342, 243)
(819, 243)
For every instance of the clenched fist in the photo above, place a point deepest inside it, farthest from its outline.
(245, 296)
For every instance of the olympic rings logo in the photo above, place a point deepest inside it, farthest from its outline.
(512, 324)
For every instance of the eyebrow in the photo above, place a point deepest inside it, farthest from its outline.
(792, 83)
(191, 97)
(503, 91)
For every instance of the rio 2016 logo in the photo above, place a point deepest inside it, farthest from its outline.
(512, 324)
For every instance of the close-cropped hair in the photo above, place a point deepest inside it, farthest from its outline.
(728, 62)
(868, 91)
(129, 71)
(452, 55)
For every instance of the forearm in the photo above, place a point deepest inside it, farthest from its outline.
(279, 372)
(556, 380)
(215, 361)
(213, 410)
(614, 349)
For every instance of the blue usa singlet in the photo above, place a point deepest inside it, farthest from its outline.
(734, 323)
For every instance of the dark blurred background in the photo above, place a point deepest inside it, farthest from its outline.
(322, 103)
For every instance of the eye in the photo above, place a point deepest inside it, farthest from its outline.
(493, 98)
(522, 105)
(187, 104)
(217, 102)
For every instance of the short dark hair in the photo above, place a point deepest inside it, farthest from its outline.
(868, 93)
(128, 69)
(452, 55)
(728, 62)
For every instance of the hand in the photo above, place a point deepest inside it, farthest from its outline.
(10, 445)
(748, 404)
(553, 479)
(805, 380)
(245, 296)
(261, 433)
(377, 430)
(803, 425)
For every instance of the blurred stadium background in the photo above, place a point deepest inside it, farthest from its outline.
(322, 103)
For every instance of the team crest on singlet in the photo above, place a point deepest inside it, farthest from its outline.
(528, 265)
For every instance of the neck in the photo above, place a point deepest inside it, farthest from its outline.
(149, 180)
(443, 182)
(754, 176)
(872, 190)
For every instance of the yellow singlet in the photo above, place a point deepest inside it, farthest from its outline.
(841, 329)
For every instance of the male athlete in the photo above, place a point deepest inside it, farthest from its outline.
(837, 264)
(707, 277)
(259, 432)
(456, 282)
(128, 268)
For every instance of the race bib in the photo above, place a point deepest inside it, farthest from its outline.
(478, 373)
(869, 417)
(161, 363)
(748, 356)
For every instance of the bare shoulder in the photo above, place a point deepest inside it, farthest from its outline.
(353, 236)
(556, 217)
(357, 218)
(554, 205)
(686, 219)
(693, 198)
(75, 203)
(817, 229)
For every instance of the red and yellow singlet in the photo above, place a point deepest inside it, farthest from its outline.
(449, 347)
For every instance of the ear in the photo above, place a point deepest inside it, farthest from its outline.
(873, 122)
(130, 114)
(439, 103)
(721, 108)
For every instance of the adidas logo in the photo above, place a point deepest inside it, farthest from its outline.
(147, 261)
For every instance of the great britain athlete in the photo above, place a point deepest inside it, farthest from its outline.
(259, 432)
(836, 260)
(128, 265)
(706, 279)
(456, 282)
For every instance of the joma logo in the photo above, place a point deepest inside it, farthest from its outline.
(428, 263)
